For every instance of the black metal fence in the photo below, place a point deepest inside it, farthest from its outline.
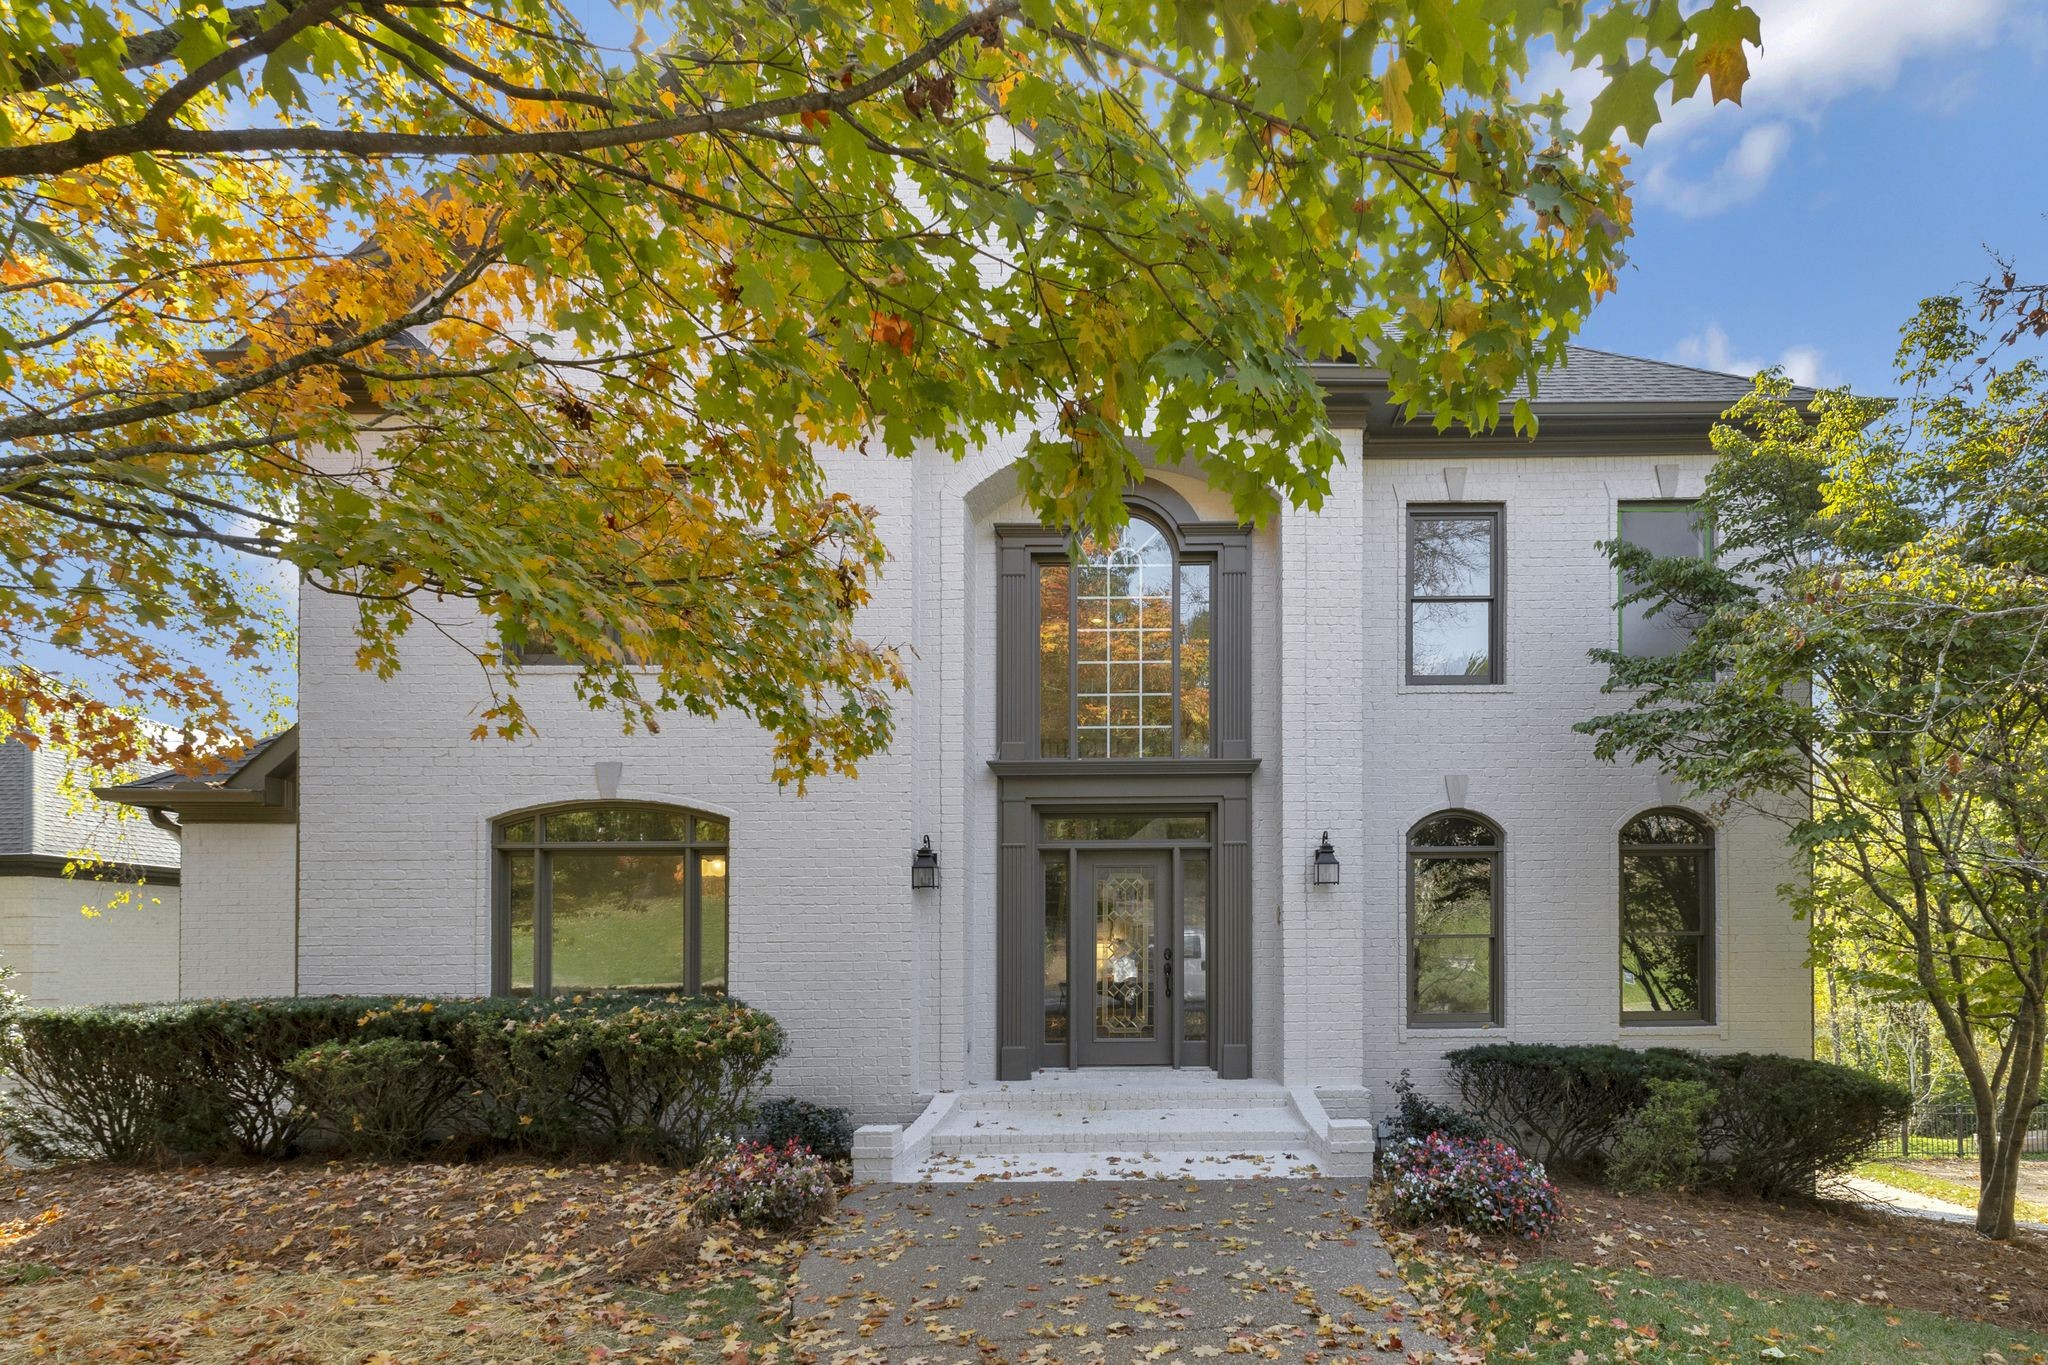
(1950, 1130)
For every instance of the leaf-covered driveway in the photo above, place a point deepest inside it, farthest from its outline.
(1108, 1272)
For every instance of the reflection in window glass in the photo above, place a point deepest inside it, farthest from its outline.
(617, 920)
(520, 902)
(711, 921)
(1123, 646)
(1096, 828)
(1054, 624)
(615, 824)
(1453, 925)
(1666, 917)
(1452, 591)
(1194, 947)
(1666, 530)
(1195, 633)
(612, 897)
(1056, 1007)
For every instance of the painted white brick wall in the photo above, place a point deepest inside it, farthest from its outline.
(125, 953)
(238, 885)
(890, 995)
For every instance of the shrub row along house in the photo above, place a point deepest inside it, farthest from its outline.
(1289, 808)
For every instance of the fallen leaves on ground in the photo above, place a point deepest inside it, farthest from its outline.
(369, 1262)
(1719, 1277)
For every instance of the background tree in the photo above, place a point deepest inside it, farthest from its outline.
(1871, 664)
(598, 307)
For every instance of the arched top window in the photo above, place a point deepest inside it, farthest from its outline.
(1454, 920)
(613, 896)
(1454, 830)
(1134, 646)
(1667, 919)
(1124, 648)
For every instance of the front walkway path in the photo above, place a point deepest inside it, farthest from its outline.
(1106, 1272)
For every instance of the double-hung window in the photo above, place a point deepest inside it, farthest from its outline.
(1667, 530)
(1454, 594)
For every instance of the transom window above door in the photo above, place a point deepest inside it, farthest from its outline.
(1123, 654)
(610, 897)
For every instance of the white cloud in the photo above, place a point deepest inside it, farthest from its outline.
(1741, 176)
(1814, 52)
(1710, 349)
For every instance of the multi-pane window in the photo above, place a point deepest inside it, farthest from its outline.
(1454, 898)
(1667, 530)
(611, 897)
(1454, 590)
(1667, 870)
(1124, 649)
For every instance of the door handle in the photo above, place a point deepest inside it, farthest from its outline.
(1169, 973)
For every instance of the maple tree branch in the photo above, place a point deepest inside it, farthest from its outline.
(90, 146)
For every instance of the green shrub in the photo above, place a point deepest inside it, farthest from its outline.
(121, 1084)
(824, 1129)
(1776, 1124)
(1658, 1146)
(1782, 1122)
(657, 1076)
(383, 1097)
(1417, 1116)
(1561, 1104)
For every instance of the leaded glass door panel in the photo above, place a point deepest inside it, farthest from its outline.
(1123, 950)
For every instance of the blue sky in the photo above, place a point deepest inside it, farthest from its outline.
(1882, 147)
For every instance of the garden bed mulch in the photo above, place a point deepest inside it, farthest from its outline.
(504, 1260)
(1824, 1249)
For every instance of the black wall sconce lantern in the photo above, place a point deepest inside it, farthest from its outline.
(924, 866)
(1326, 863)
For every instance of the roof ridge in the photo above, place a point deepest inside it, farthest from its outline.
(1674, 365)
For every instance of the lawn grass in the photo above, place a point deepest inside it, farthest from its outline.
(1937, 1187)
(1556, 1311)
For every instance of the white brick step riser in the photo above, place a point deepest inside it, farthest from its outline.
(1097, 1102)
(1109, 1141)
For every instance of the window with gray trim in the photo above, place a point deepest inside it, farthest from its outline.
(617, 896)
(1124, 642)
(1667, 529)
(1454, 594)
(1667, 919)
(1454, 920)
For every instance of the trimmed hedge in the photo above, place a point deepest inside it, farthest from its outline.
(647, 1075)
(1774, 1126)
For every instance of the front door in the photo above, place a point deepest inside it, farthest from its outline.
(1126, 954)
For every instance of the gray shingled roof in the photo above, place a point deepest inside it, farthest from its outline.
(1590, 376)
(219, 775)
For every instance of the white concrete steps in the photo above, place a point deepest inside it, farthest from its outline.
(1121, 1124)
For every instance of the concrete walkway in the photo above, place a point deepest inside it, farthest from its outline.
(1891, 1198)
(1105, 1273)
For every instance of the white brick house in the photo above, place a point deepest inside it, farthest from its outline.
(1169, 820)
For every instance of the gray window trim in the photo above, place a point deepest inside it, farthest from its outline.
(1496, 600)
(1706, 851)
(541, 848)
(1493, 854)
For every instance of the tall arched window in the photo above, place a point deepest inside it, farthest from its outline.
(1667, 919)
(1124, 632)
(1454, 914)
(617, 896)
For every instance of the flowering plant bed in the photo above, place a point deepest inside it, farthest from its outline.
(1476, 1183)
